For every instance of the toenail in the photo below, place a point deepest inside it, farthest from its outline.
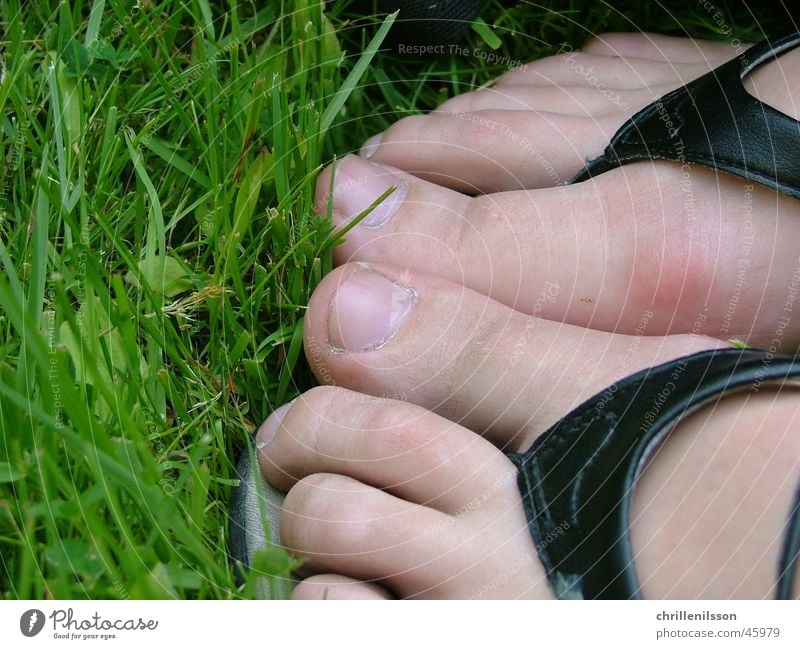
(367, 310)
(358, 184)
(268, 430)
(370, 147)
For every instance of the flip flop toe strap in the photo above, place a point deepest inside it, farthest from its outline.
(715, 122)
(577, 479)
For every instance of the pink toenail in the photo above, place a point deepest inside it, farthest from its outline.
(367, 310)
(358, 184)
(268, 430)
(370, 147)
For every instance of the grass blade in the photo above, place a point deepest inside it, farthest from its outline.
(352, 80)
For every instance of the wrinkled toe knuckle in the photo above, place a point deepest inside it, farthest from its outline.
(318, 402)
(472, 350)
(344, 537)
(310, 413)
(486, 126)
(307, 502)
(304, 499)
(325, 506)
(317, 488)
(399, 429)
(427, 447)
(468, 235)
(385, 417)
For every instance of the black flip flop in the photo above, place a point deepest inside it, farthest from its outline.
(578, 478)
(715, 122)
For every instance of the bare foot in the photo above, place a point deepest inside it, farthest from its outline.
(650, 243)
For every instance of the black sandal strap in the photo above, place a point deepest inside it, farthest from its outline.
(577, 479)
(787, 563)
(715, 122)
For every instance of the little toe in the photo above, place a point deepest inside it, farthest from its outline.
(338, 587)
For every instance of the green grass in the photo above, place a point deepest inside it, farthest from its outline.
(158, 245)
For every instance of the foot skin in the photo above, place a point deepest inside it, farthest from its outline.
(387, 491)
(452, 315)
(506, 375)
(679, 243)
(384, 491)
